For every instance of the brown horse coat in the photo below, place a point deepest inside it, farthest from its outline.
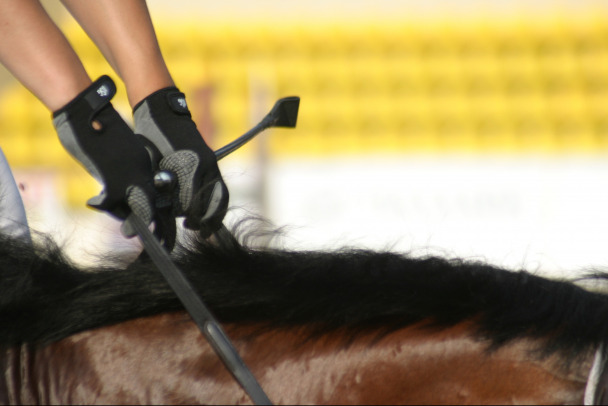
(165, 360)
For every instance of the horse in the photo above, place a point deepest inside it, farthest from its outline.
(347, 326)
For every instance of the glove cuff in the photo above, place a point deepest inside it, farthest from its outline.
(170, 95)
(164, 118)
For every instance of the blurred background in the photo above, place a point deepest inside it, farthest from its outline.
(467, 128)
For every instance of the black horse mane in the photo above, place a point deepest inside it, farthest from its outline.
(44, 298)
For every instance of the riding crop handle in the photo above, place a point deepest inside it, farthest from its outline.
(243, 139)
(203, 318)
(284, 113)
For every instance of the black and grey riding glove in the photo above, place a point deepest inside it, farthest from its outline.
(201, 196)
(97, 136)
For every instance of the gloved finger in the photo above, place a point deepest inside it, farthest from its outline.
(165, 228)
(208, 207)
(151, 149)
(210, 226)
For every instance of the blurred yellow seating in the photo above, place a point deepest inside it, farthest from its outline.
(18, 152)
(511, 84)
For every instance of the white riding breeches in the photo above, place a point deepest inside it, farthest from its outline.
(13, 221)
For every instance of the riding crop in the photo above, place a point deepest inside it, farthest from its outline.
(283, 114)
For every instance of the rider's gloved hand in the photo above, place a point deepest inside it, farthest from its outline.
(97, 136)
(201, 196)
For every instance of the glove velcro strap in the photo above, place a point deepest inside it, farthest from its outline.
(177, 102)
(97, 96)
(100, 93)
(170, 96)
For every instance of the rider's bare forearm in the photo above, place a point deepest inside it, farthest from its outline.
(38, 54)
(123, 31)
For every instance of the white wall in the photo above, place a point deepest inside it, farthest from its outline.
(546, 213)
